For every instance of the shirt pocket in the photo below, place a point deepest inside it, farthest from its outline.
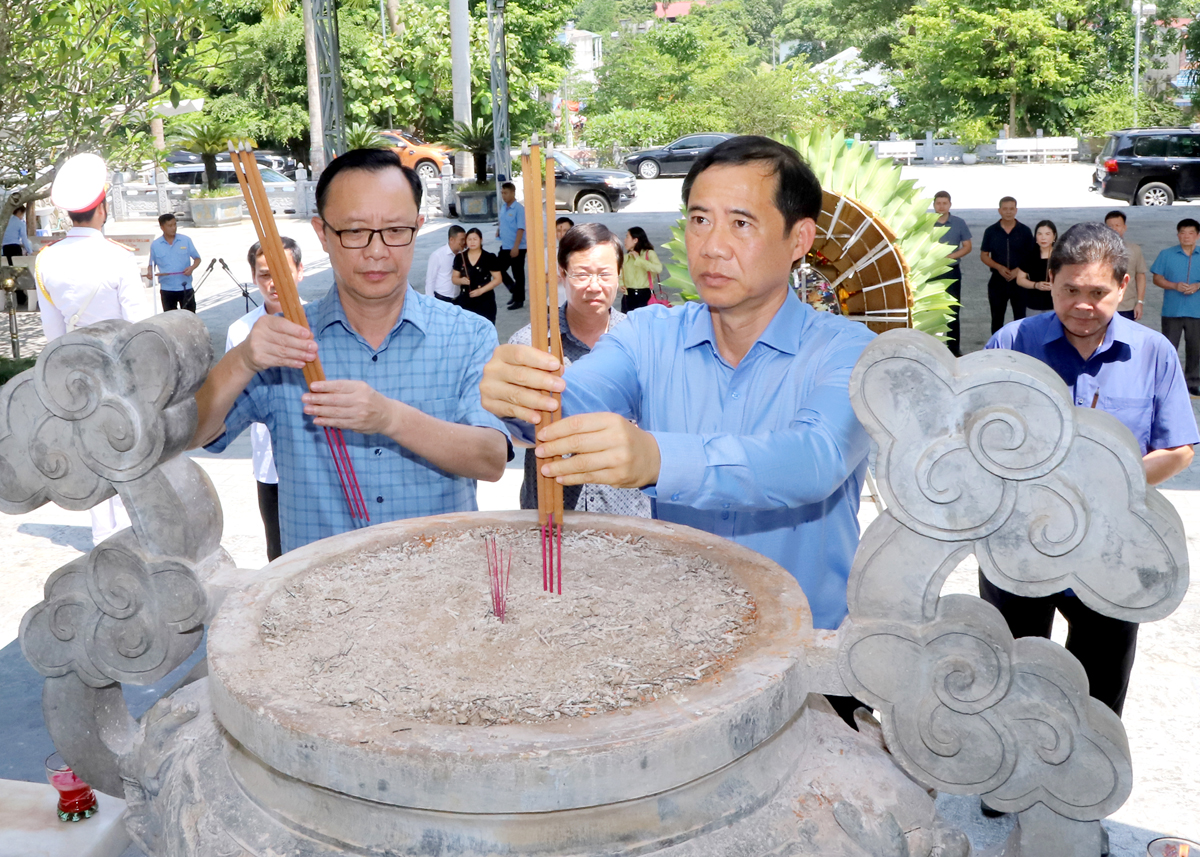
(1136, 412)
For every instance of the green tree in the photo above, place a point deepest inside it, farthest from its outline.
(1009, 59)
(76, 75)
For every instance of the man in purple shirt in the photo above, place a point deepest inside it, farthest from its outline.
(1127, 370)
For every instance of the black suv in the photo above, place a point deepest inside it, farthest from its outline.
(590, 191)
(1150, 166)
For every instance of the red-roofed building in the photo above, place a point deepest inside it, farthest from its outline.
(671, 11)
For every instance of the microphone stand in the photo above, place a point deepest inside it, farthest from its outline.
(243, 286)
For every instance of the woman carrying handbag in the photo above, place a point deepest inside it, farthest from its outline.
(638, 276)
(478, 272)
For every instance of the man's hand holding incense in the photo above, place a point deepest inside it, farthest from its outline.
(275, 341)
(518, 382)
(604, 449)
(350, 405)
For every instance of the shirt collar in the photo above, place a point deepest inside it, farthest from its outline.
(1116, 332)
(329, 311)
(782, 334)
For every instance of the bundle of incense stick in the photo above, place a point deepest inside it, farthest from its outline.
(250, 179)
(499, 570)
(542, 242)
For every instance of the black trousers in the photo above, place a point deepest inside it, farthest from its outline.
(1000, 293)
(512, 269)
(634, 299)
(953, 279)
(1175, 328)
(268, 507)
(1104, 646)
(181, 299)
(8, 251)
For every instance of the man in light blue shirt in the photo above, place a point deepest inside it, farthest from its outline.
(511, 232)
(16, 243)
(743, 420)
(1177, 272)
(173, 257)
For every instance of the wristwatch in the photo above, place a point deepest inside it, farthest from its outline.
(1141, 302)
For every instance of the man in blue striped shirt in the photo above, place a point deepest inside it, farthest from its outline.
(743, 420)
(403, 371)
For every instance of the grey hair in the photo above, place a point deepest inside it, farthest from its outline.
(1088, 243)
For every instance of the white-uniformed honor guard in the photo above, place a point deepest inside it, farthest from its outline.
(85, 278)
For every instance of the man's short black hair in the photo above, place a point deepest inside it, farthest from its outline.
(1185, 223)
(941, 194)
(509, 186)
(371, 160)
(1005, 199)
(20, 209)
(1088, 243)
(565, 220)
(289, 244)
(85, 216)
(584, 237)
(165, 218)
(1114, 213)
(454, 229)
(797, 192)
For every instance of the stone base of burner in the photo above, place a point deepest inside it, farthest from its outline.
(818, 788)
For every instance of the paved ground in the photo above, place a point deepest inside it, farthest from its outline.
(1166, 682)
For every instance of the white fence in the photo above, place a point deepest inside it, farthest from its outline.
(944, 151)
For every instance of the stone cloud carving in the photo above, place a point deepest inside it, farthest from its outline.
(987, 455)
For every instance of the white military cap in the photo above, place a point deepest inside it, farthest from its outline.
(80, 183)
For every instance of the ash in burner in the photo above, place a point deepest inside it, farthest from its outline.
(409, 633)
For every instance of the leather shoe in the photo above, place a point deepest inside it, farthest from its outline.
(515, 305)
(1194, 390)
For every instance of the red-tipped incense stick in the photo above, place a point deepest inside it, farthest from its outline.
(499, 570)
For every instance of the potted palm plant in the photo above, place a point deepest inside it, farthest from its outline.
(215, 204)
(477, 202)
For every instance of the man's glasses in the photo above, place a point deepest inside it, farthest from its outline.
(357, 239)
(581, 278)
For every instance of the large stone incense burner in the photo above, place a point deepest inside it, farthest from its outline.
(741, 757)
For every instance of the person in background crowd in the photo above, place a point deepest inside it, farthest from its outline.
(511, 232)
(1116, 365)
(477, 273)
(439, 270)
(562, 226)
(957, 235)
(1005, 245)
(1034, 273)
(402, 372)
(641, 267)
(16, 243)
(86, 278)
(173, 257)
(1176, 270)
(1134, 301)
(266, 478)
(590, 262)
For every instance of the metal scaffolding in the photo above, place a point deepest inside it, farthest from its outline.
(501, 137)
(329, 65)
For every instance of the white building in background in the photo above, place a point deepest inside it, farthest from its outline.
(587, 53)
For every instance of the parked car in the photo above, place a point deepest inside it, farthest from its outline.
(674, 159)
(415, 153)
(1150, 166)
(281, 162)
(590, 191)
(193, 175)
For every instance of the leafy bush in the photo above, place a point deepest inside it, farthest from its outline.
(974, 132)
(9, 369)
(1112, 108)
(641, 127)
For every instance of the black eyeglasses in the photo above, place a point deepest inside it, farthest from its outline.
(357, 239)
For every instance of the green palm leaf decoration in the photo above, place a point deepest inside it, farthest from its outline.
(876, 249)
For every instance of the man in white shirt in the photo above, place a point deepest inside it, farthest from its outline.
(438, 283)
(86, 278)
(260, 437)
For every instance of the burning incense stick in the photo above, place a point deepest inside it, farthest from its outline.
(255, 194)
(499, 570)
(543, 313)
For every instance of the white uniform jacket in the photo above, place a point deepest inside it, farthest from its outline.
(85, 278)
